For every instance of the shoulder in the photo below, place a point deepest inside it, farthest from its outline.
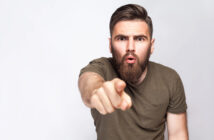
(164, 74)
(164, 71)
(101, 61)
(160, 67)
(102, 66)
(96, 64)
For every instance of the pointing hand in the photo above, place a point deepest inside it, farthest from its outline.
(109, 96)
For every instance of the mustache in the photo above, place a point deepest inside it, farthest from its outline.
(129, 53)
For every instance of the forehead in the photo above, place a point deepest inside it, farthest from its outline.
(131, 27)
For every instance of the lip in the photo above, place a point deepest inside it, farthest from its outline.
(130, 59)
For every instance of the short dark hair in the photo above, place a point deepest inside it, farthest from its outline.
(130, 12)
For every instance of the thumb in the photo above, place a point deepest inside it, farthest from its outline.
(126, 102)
(119, 86)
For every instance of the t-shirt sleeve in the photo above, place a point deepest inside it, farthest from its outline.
(177, 103)
(96, 66)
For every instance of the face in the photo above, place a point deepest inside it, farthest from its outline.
(131, 47)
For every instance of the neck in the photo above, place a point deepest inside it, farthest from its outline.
(143, 75)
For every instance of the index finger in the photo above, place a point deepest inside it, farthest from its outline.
(119, 86)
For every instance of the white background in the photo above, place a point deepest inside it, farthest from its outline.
(45, 43)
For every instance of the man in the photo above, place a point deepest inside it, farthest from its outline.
(131, 97)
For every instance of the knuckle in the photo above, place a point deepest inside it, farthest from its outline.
(99, 91)
(106, 84)
(103, 112)
(116, 79)
(111, 110)
(94, 97)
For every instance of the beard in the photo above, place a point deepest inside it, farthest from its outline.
(130, 72)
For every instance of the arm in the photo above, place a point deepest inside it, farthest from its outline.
(88, 82)
(177, 126)
(105, 96)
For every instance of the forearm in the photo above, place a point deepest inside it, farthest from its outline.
(183, 135)
(88, 82)
(177, 126)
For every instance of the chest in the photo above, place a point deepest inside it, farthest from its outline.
(149, 105)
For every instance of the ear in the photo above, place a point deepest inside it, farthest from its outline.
(110, 47)
(152, 45)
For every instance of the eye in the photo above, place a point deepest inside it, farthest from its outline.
(121, 38)
(139, 39)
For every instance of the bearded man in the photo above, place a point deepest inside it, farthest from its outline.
(132, 98)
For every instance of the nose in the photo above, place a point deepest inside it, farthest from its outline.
(130, 45)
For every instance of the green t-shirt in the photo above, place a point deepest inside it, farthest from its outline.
(160, 92)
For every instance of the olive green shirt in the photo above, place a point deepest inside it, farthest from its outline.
(160, 92)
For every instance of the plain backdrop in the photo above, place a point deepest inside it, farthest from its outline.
(45, 43)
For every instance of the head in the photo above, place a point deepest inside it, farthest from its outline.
(131, 41)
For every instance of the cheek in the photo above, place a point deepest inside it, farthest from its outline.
(119, 51)
(142, 53)
(118, 55)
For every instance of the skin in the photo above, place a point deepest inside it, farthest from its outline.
(132, 36)
(106, 96)
(177, 126)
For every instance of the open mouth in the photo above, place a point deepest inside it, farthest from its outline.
(130, 59)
